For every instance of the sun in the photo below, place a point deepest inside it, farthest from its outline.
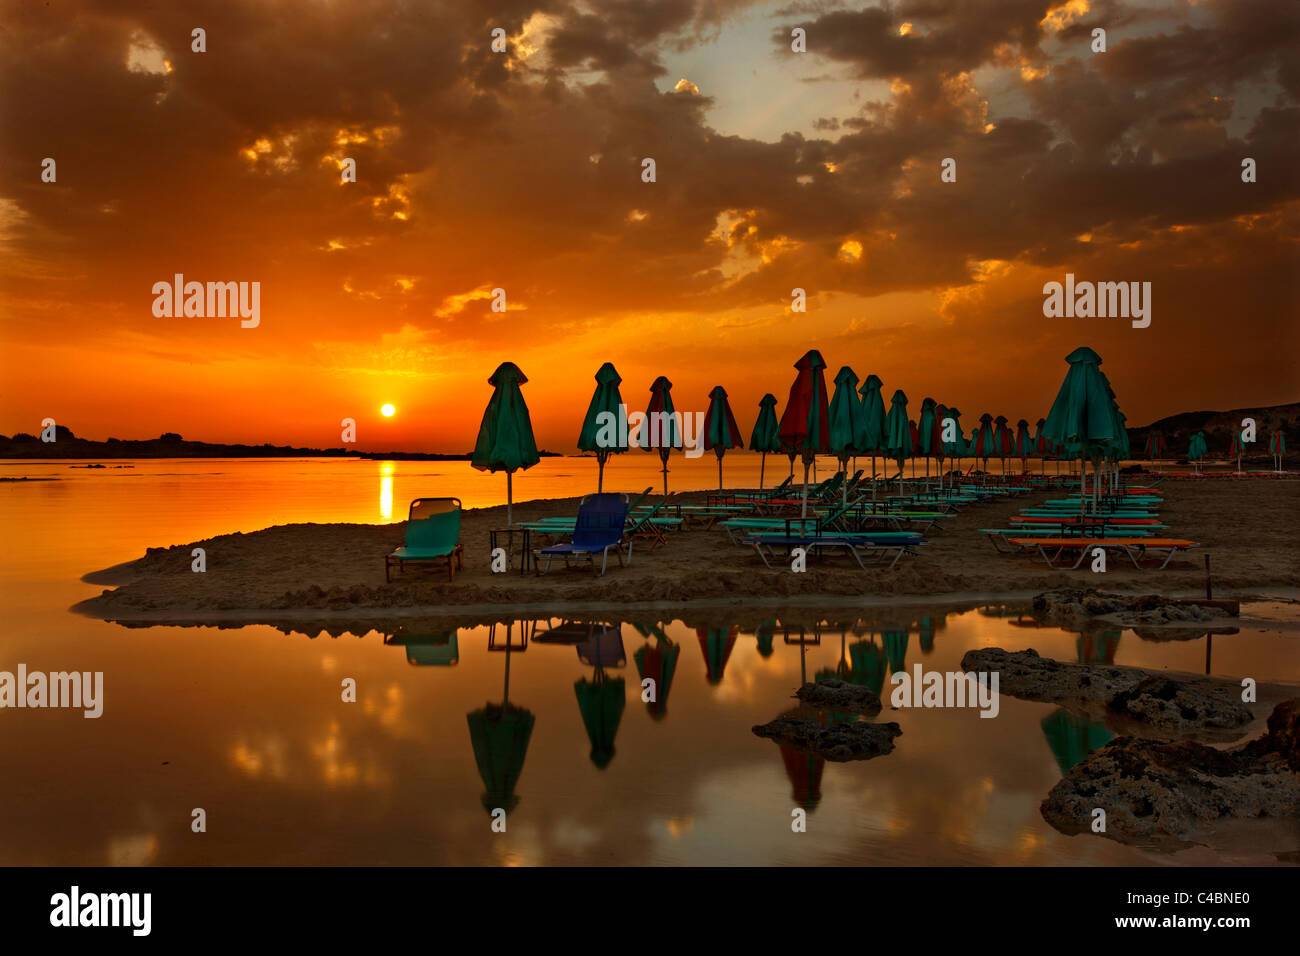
(388, 411)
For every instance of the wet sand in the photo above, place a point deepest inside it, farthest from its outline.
(322, 571)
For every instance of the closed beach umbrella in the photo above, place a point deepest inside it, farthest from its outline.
(898, 433)
(658, 662)
(720, 429)
(873, 423)
(766, 436)
(986, 439)
(603, 430)
(956, 448)
(1196, 449)
(505, 437)
(926, 428)
(1277, 447)
(1155, 446)
(1235, 450)
(601, 702)
(846, 425)
(868, 659)
(1005, 441)
(499, 734)
(1082, 414)
(896, 649)
(1073, 738)
(804, 428)
(1024, 443)
(1042, 446)
(934, 448)
(716, 643)
(662, 428)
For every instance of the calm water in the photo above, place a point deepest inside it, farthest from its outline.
(248, 724)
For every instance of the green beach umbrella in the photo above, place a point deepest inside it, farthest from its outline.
(1024, 443)
(1073, 738)
(505, 437)
(601, 702)
(1082, 413)
(873, 423)
(926, 426)
(662, 427)
(766, 436)
(603, 430)
(898, 433)
(1196, 449)
(868, 660)
(499, 734)
(1277, 448)
(847, 425)
(720, 429)
(764, 637)
(895, 642)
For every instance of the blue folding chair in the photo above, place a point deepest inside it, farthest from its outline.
(599, 528)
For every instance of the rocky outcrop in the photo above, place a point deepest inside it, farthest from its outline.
(1162, 793)
(1072, 605)
(1127, 697)
(838, 695)
(856, 740)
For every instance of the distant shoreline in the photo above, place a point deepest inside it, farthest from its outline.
(81, 449)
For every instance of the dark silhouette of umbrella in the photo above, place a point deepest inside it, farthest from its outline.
(667, 435)
(606, 407)
(846, 426)
(868, 659)
(716, 643)
(499, 734)
(720, 429)
(1082, 417)
(505, 436)
(658, 661)
(873, 423)
(896, 649)
(899, 440)
(765, 635)
(1072, 737)
(601, 701)
(766, 436)
(804, 428)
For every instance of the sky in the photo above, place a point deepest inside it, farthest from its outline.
(523, 171)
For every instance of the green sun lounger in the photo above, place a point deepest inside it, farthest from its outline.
(432, 537)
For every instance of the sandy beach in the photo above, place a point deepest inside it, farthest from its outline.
(323, 571)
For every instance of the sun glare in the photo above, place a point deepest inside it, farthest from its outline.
(388, 411)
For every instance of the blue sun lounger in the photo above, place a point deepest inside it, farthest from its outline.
(599, 528)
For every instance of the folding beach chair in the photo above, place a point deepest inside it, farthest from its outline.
(432, 536)
(600, 525)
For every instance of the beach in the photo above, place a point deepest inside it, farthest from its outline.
(336, 570)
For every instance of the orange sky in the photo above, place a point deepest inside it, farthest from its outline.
(521, 170)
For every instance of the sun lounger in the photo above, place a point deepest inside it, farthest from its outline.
(858, 545)
(599, 528)
(1133, 547)
(432, 536)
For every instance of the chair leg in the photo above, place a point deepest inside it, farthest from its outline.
(388, 571)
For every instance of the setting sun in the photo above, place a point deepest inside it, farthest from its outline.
(388, 411)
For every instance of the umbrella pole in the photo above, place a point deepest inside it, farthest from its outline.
(600, 473)
(510, 521)
(804, 514)
(762, 465)
(719, 471)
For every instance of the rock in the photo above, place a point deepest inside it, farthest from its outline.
(1163, 792)
(841, 696)
(857, 740)
(1071, 605)
(1144, 700)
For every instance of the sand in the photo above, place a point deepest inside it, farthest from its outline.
(323, 571)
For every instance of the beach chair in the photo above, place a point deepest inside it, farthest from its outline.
(1135, 548)
(432, 536)
(877, 548)
(600, 525)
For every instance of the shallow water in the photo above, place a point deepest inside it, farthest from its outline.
(248, 723)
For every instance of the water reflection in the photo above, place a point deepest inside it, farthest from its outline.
(499, 734)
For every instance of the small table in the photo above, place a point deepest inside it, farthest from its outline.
(526, 558)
